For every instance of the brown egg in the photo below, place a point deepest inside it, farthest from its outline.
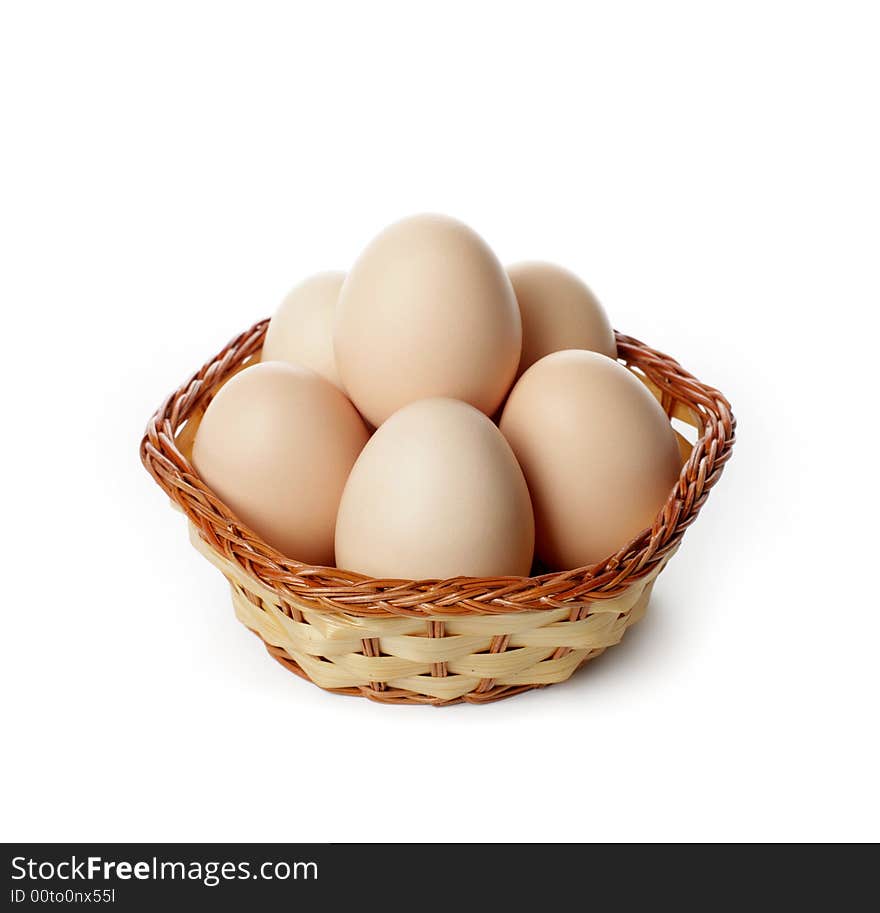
(558, 312)
(436, 493)
(301, 331)
(276, 445)
(597, 451)
(427, 310)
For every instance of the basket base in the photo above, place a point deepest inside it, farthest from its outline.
(437, 659)
(401, 696)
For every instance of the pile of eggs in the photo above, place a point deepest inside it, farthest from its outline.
(431, 414)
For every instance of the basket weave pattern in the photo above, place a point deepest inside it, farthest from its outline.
(403, 641)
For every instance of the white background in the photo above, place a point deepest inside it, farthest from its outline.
(170, 169)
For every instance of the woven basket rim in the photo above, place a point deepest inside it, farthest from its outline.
(338, 590)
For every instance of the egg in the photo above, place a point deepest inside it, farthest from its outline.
(276, 445)
(301, 331)
(598, 453)
(427, 310)
(436, 493)
(558, 312)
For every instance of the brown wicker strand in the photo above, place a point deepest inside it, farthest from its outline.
(168, 435)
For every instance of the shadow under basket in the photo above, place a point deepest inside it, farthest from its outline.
(474, 639)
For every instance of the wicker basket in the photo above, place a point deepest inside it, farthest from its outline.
(435, 642)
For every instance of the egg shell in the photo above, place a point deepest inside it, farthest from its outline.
(559, 311)
(597, 451)
(427, 310)
(436, 493)
(301, 330)
(276, 445)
